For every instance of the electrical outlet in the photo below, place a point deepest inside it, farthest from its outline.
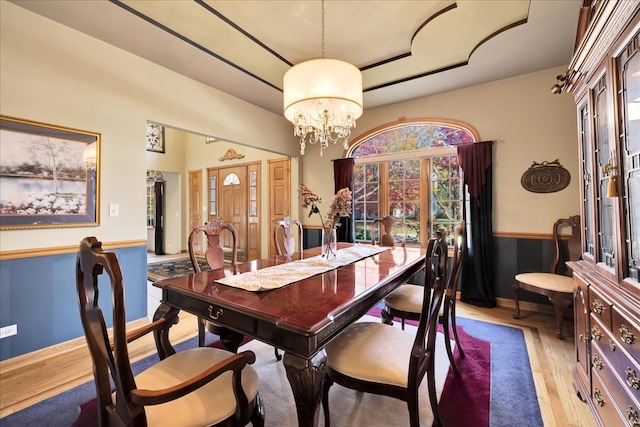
(8, 331)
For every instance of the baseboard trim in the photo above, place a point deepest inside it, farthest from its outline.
(8, 366)
(524, 305)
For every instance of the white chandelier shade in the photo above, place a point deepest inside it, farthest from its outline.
(323, 99)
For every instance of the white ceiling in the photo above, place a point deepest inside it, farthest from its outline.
(405, 49)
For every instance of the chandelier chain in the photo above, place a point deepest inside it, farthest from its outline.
(322, 28)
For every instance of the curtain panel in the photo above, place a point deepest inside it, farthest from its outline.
(343, 177)
(478, 269)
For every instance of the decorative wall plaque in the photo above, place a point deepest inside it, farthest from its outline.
(545, 177)
(231, 154)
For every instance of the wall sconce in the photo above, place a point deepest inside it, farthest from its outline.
(563, 81)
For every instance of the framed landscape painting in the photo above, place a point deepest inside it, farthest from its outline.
(49, 175)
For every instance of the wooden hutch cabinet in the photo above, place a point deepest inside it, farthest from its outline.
(604, 77)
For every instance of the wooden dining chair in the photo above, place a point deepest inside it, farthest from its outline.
(377, 358)
(214, 256)
(200, 386)
(385, 231)
(406, 301)
(288, 242)
(558, 284)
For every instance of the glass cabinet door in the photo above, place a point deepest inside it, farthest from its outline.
(604, 156)
(587, 182)
(629, 102)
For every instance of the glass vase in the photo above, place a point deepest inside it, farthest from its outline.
(329, 243)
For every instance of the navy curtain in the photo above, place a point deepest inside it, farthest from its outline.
(477, 272)
(343, 177)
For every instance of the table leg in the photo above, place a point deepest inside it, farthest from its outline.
(306, 377)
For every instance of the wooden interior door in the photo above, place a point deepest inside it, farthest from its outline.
(279, 194)
(233, 206)
(195, 205)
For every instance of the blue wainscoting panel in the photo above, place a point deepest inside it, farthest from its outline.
(39, 295)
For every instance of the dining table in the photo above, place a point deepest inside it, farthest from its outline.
(299, 318)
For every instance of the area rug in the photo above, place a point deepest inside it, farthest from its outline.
(495, 388)
(168, 269)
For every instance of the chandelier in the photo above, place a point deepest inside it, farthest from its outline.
(323, 99)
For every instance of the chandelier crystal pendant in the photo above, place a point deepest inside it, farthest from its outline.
(323, 99)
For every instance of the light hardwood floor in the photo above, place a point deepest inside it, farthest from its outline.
(30, 381)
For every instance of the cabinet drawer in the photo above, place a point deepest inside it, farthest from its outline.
(627, 332)
(619, 391)
(600, 307)
(618, 361)
(603, 404)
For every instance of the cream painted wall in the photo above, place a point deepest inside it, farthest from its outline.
(527, 120)
(187, 151)
(53, 74)
(171, 164)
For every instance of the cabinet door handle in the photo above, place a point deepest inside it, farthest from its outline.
(596, 333)
(626, 334)
(597, 397)
(598, 307)
(612, 345)
(632, 416)
(597, 363)
(632, 379)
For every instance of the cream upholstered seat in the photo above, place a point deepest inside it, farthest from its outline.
(210, 404)
(365, 337)
(381, 359)
(556, 285)
(407, 298)
(551, 282)
(196, 387)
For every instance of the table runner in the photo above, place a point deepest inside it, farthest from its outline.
(294, 271)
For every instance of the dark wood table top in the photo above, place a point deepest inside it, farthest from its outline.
(313, 309)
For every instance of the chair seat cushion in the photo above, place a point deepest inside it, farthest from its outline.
(372, 352)
(549, 281)
(406, 298)
(209, 404)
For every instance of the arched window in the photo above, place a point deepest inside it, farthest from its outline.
(410, 170)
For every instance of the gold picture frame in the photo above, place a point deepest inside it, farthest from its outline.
(49, 175)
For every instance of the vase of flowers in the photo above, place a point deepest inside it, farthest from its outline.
(329, 242)
(340, 207)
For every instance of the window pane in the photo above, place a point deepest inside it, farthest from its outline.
(366, 189)
(212, 195)
(358, 211)
(446, 198)
(373, 211)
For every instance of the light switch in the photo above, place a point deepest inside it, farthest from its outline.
(114, 210)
